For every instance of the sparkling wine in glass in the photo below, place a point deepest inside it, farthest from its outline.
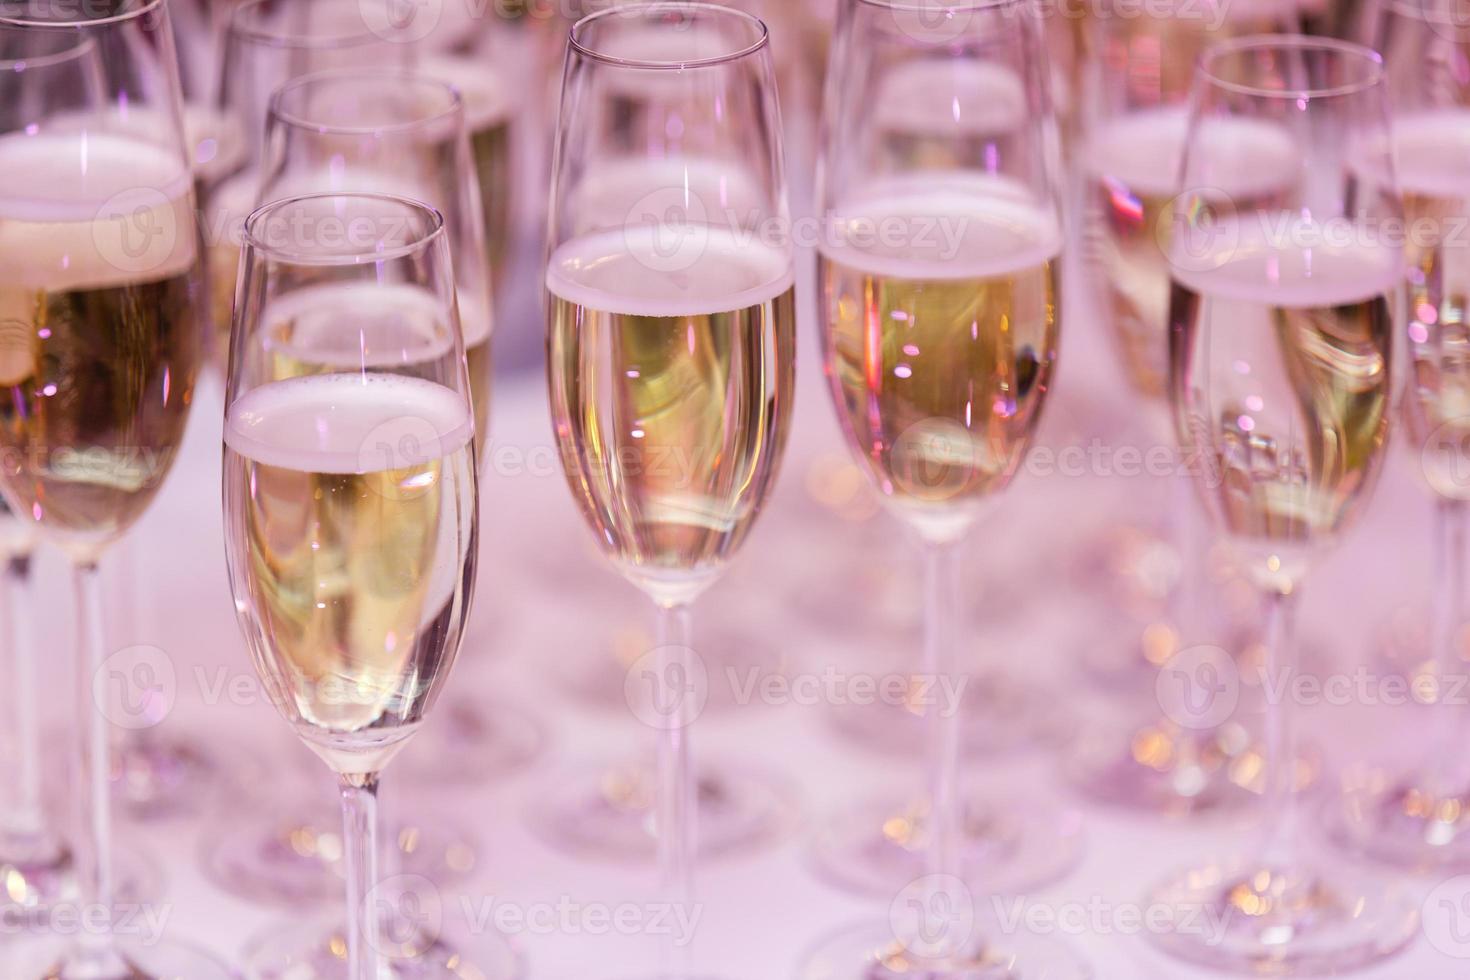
(102, 344)
(352, 506)
(671, 333)
(1283, 321)
(940, 316)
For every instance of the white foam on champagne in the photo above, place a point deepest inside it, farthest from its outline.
(943, 228)
(99, 209)
(481, 87)
(664, 271)
(1241, 157)
(1432, 150)
(333, 423)
(1283, 260)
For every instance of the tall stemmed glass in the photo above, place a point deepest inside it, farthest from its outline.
(1423, 818)
(1137, 88)
(99, 260)
(940, 319)
(351, 502)
(1282, 321)
(671, 306)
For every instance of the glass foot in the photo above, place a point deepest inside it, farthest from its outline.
(37, 880)
(294, 858)
(139, 957)
(156, 776)
(1008, 848)
(1403, 823)
(417, 949)
(472, 741)
(876, 952)
(1160, 768)
(1001, 715)
(1297, 921)
(608, 812)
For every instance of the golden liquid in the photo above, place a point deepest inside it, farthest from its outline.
(352, 583)
(491, 146)
(670, 428)
(939, 379)
(100, 339)
(1286, 391)
(1432, 148)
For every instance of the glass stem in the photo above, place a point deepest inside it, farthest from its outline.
(95, 955)
(1280, 845)
(360, 854)
(677, 824)
(946, 809)
(1447, 771)
(25, 819)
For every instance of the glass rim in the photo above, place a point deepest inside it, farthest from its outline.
(1291, 42)
(47, 60)
(933, 6)
(122, 17)
(1423, 11)
(453, 110)
(762, 41)
(259, 246)
(238, 27)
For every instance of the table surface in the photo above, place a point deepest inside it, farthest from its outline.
(544, 610)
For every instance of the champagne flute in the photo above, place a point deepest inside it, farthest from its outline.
(640, 140)
(671, 305)
(1420, 820)
(938, 270)
(1282, 320)
(100, 264)
(351, 504)
(268, 43)
(1138, 83)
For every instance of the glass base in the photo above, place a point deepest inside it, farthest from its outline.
(295, 857)
(1001, 715)
(608, 812)
(873, 952)
(156, 777)
(471, 741)
(317, 948)
(1163, 769)
(1306, 920)
(1404, 823)
(1008, 848)
(44, 879)
(146, 958)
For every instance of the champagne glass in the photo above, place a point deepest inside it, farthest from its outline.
(1282, 320)
(268, 43)
(1420, 820)
(388, 131)
(351, 506)
(1138, 84)
(671, 305)
(938, 270)
(104, 343)
(652, 156)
